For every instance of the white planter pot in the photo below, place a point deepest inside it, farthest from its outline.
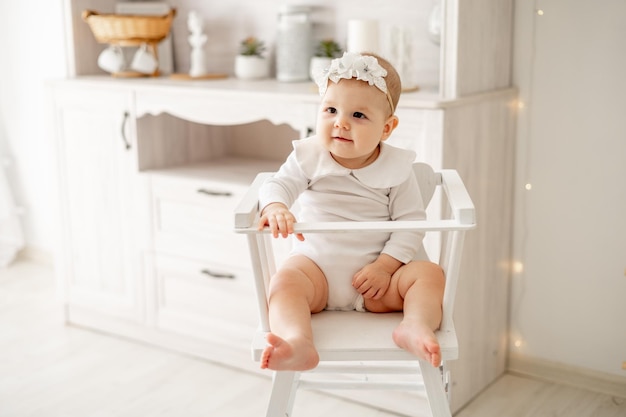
(251, 67)
(318, 64)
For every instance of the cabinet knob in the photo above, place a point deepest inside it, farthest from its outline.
(218, 274)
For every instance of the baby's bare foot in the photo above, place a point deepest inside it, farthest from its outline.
(418, 339)
(295, 355)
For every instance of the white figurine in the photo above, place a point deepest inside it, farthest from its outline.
(197, 39)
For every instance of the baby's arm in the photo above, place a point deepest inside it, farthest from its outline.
(277, 194)
(279, 219)
(372, 281)
(405, 205)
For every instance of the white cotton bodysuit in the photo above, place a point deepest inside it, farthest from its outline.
(326, 191)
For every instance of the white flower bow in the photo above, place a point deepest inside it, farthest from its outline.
(351, 65)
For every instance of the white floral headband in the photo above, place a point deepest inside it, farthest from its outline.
(351, 65)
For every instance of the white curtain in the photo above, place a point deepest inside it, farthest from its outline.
(11, 235)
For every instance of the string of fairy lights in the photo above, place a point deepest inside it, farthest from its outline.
(524, 118)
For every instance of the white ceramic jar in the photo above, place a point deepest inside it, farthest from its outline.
(294, 44)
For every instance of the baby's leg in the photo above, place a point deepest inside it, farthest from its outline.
(296, 290)
(417, 290)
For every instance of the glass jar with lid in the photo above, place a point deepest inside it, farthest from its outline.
(294, 45)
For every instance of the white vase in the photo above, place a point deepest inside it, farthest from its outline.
(251, 67)
(318, 64)
(435, 21)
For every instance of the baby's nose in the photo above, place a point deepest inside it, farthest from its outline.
(342, 122)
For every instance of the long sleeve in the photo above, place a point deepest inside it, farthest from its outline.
(405, 204)
(285, 186)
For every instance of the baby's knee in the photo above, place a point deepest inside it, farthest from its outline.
(294, 283)
(425, 271)
(433, 271)
(284, 280)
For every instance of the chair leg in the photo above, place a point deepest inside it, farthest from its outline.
(283, 393)
(434, 384)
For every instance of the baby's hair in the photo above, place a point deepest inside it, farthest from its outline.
(392, 79)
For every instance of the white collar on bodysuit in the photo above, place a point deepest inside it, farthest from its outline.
(391, 168)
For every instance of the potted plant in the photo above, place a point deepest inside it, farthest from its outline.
(325, 51)
(250, 64)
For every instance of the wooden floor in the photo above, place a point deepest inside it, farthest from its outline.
(48, 369)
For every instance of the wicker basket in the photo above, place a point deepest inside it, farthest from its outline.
(128, 30)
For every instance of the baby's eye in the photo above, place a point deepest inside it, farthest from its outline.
(359, 115)
(331, 110)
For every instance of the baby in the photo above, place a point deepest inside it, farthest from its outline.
(345, 172)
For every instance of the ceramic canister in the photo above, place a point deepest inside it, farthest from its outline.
(293, 43)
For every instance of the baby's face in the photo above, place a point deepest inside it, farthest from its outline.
(353, 120)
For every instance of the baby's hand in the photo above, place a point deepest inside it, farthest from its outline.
(372, 281)
(279, 219)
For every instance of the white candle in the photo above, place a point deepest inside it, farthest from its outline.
(363, 36)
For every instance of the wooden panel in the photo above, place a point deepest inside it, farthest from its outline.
(164, 141)
(477, 46)
(480, 145)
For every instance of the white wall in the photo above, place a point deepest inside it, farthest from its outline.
(32, 45)
(567, 305)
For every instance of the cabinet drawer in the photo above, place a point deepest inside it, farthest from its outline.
(195, 219)
(191, 300)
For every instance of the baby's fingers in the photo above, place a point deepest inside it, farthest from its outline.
(285, 224)
(379, 294)
(282, 224)
(371, 293)
(274, 225)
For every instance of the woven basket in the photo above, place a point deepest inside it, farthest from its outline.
(120, 29)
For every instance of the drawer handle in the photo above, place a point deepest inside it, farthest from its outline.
(217, 275)
(123, 129)
(215, 193)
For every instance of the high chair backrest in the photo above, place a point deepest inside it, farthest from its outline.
(427, 180)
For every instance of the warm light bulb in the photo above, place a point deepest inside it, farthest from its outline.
(518, 267)
(540, 12)
(518, 343)
(520, 105)
(528, 186)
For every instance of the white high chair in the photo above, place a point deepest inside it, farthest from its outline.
(360, 343)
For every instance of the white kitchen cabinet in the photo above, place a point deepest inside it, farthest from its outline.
(96, 158)
(146, 256)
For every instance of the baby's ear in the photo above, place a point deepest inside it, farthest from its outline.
(389, 127)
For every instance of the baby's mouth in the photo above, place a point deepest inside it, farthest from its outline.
(341, 139)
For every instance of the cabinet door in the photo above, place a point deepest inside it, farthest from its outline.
(100, 262)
